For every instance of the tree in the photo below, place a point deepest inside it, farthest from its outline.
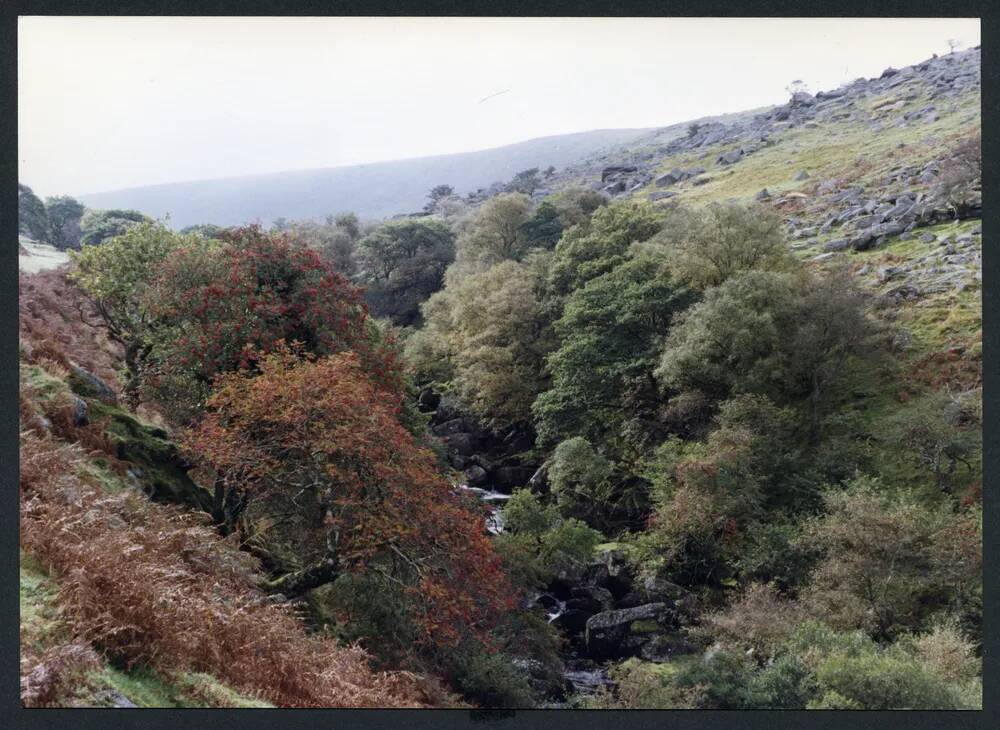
(496, 232)
(64, 215)
(526, 182)
(798, 86)
(710, 495)
(494, 329)
(587, 251)
(404, 262)
(213, 308)
(315, 445)
(609, 340)
(575, 204)
(544, 228)
(336, 240)
(960, 183)
(208, 230)
(32, 218)
(436, 195)
(100, 225)
(116, 277)
(793, 338)
(711, 244)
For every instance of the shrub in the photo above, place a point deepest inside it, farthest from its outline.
(52, 677)
(880, 569)
(883, 681)
(489, 679)
(537, 542)
(761, 619)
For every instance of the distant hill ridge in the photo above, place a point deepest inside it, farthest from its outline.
(375, 190)
(693, 159)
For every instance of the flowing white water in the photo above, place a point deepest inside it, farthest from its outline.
(493, 500)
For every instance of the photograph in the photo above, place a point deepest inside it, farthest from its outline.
(498, 364)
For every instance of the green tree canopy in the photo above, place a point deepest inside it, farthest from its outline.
(610, 334)
(98, 226)
(596, 247)
(32, 218)
(64, 215)
(404, 262)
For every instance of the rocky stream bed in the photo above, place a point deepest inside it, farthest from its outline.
(604, 611)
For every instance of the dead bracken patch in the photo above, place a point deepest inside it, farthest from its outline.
(149, 585)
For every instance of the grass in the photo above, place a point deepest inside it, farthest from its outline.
(147, 688)
(833, 150)
(40, 624)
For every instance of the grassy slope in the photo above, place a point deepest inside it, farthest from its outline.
(851, 153)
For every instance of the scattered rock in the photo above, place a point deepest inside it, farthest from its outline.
(476, 476)
(85, 383)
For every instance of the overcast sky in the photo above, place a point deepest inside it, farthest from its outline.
(107, 103)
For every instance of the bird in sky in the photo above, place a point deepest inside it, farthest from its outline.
(492, 95)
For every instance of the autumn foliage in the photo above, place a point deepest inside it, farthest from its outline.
(152, 585)
(322, 433)
(213, 307)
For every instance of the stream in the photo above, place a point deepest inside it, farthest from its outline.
(585, 676)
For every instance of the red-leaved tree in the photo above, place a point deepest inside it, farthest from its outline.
(214, 307)
(313, 448)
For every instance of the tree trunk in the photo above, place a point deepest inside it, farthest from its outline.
(303, 581)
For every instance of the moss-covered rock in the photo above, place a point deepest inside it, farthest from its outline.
(157, 463)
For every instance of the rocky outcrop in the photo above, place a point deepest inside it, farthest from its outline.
(624, 632)
(487, 459)
(607, 612)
